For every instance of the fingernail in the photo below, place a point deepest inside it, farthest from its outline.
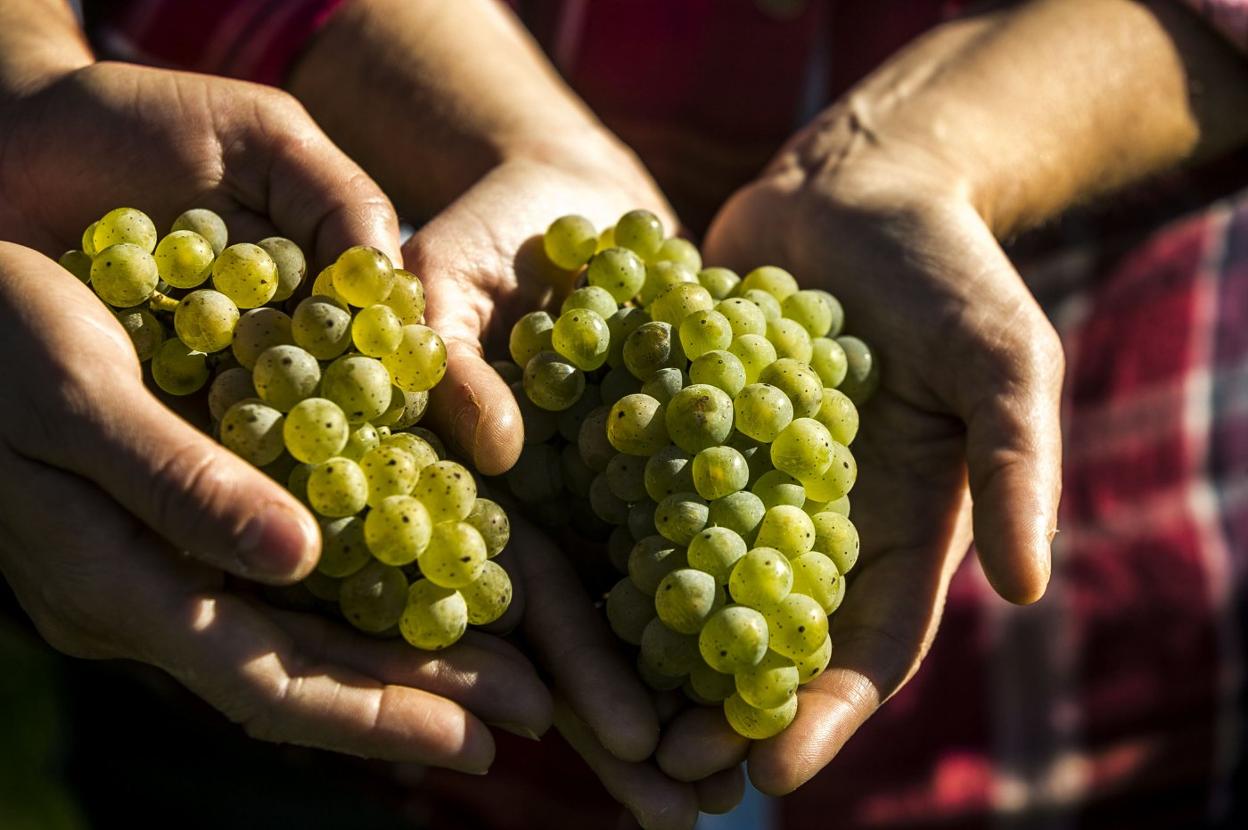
(518, 729)
(275, 541)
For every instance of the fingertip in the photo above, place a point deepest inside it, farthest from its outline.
(477, 410)
(280, 544)
(632, 739)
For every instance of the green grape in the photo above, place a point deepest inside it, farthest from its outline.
(125, 225)
(664, 384)
(641, 519)
(360, 440)
(184, 259)
(228, 388)
(796, 626)
(686, 598)
(77, 263)
(636, 425)
(721, 369)
(681, 251)
(570, 241)
(322, 587)
(398, 530)
(531, 334)
(862, 374)
(641, 232)
(404, 410)
(145, 331)
(377, 331)
(837, 478)
(761, 578)
(373, 598)
(205, 321)
(828, 360)
(734, 639)
(762, 412)
(253, 431)
(315, 431)
(337, 487)
(809, 309)
(777, 282)
(767, 305)
(775, 488)
(246, 274)
(769, 684)
(719, 471)
(621, 324)
(257, 330)
(488, 596)
(448, 490)
(177, 369)
(652, 346)
(804, 449)
(434, 617)
(537, 475)
(321, 326)
(651, 559)
(124, 275)
(660, 276)
(668, 471)
(292, 267)
(755, 353)
(668, 652)
(591, 298)
(88, 239)
(677, 302)
(719, 281)
(297, 482)
(419, 362)
(358, 384)
(593, 443)
(813, 664)
(285, 375)
(709, 685)
(744, 316)
(816, 576)
(755, 453)
(205, 223)
(704, 331)
(575, 473)
(616, 384)
(619, 545)
(838, 312)
(606, 239)
(618, 271)
(429, 437)
(280, 469)
(626, 477)
(421, 451)
(655, 679)
(759, 724)
(838, 413)
(607, 505)
(790, 340)
(389, 470)
(582, 336)
(456, 555)
(698, 417)
(681, 516)
(787, 529)
(407, 297)
(363, 276)
(343, 550)
(539, 424)
(716, 550)
(492, 523)
(837, 538)
(323, 286)
(629, 611)
(741, 512)
(797, 380)
(553, 383)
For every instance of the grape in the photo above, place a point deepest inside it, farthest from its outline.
(373, 598)
(323, 286)
(377, 331)
(205, 223)
(539, 424)
(828, 360)
(862, 375)
(837, 538)
(759, 724)
(710, 685)
(668, 652)
(531, 334)
(448, 490)
(358, 384)
(77, 263)
(315, 430)
(755, 454)
(813, 664)
(629, 611)
(840, 505)
(652, 346)
(125, 225)
(733, 639)
(715, 550)
(488, 596)
(290, 262)
(641, 232)
(430, 438)
(762, 412)
(775, 487)
(704, 331)
(686, 598)
(390, 471)
(619, 545)
(592, 442)
(88, 239)
(755, 353)
(434, 617)
(618, 271)
(641, 519)
(664, 384)
(229, 387)
(787, 529)
(322, 327)
(322, 587)
(803, 449)
(145, 331)
(618, 383)
(492, 523)
(651, 559)
(680, 517)
(762, 577)
(405, 409)
(184, 259)
(799, 382)
(838, 413)
(590, 298)
(421, 451)
(297, 482)
(809, 309)
(343, 550)
(837, 478)
(777, 282)
(537, 475)
(668, 471)
(456, 555)
(719, 281)
(655, 679)
(816, 576)
(719, 471)
(661, 276)
(744, 316)
(205, 320)
(636, 425)
(582, 336)
(570, 241)
(177, 369)
(721, 369)
(253, 431)
(124, 275)
(363, 276)
(606, 239)
(796, 626)
(607, 505)
(698, 417)
(246, 274)
(420, 360)
(551, 382)
(285, 375)
(681, 251)
(626, 477)
(741, 512)
(834, 306)
(398, 530)
(676, 302)
(360, 440)
(769, 684)
(790, 340)
(621, 324)
(257, 330)
(337, 487)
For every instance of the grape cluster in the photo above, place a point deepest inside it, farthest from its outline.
(708, 418)
(326, 399)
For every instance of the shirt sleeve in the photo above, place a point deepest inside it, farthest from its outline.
(1229, 17)
(256, 40)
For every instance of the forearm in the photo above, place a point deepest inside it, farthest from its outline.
(39, 41)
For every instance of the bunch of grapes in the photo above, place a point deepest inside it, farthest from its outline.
(325, 399)
(708, 418)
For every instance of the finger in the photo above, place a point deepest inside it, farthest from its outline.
(572, 642)
(700, 743)
(657, 802)
(721, 792)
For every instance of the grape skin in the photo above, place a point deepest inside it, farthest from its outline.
(373, 598)
(398, 530)
(434, 617)
(315, 430)
(246, 274)
(205, 320)
(337, 488)
(455, 556)
(488, 596)
(253, 431)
